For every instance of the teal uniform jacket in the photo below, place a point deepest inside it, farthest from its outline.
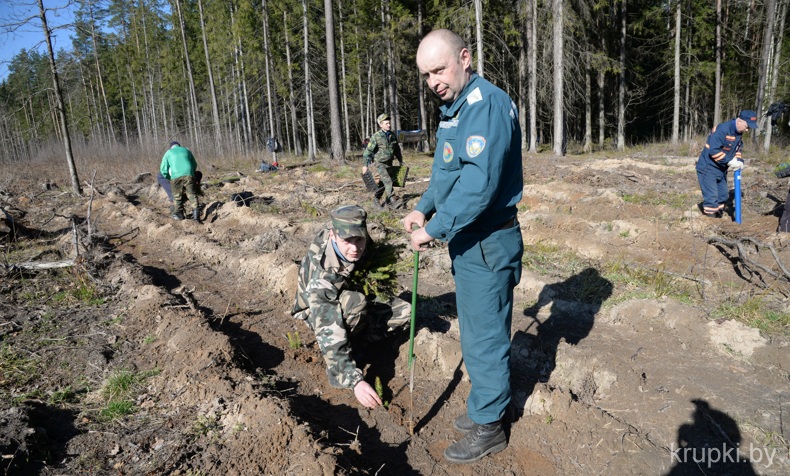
(476, 180)
(476, 183)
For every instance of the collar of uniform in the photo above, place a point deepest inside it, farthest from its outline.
(450, 110)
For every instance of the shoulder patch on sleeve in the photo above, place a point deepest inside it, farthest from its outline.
(475, 145)
(474, 96)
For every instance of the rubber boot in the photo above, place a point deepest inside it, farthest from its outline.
(481, 440)
(196, 215)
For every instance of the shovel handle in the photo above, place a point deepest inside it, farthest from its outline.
(413, 306)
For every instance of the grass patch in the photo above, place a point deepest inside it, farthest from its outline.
(547, 258)
(652, 198)
(120, 390)
(16, 370)
(640, 283)
(756, 313)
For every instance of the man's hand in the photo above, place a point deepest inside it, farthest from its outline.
(366, 395)
(419, 238)
(735, 164)
(364, 169)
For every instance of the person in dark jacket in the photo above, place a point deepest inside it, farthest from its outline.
(722, 152)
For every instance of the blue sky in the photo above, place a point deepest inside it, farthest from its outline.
(30, 35)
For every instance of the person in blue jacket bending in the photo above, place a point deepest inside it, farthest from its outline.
(722, 152)
(476, 182)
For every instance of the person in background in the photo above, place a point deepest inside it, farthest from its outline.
(381, 150)
(476, 182)
(332, 306)
(722, 152)
(179, 167)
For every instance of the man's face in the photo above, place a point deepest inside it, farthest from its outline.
(352, 248)
(741, 125)
(444, 71)
(385, 125)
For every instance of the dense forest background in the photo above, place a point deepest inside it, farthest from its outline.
(222, 76)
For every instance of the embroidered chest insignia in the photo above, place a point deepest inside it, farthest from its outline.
(475, 145)
(447, 154)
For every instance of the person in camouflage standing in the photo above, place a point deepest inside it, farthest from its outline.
(326, 301)
(380, 152)
(179, 166)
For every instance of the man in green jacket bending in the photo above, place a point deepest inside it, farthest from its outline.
(179, 166)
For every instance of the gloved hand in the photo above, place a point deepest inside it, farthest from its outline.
(735, 164)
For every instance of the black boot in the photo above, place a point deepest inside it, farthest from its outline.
(480, 441)
(177, 215)
(196, 215)
(463, 423)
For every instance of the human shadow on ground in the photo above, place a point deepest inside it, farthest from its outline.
(574, 304)
(711, 445)
(359, 447)
(36, 436)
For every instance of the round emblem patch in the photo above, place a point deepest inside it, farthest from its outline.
(475, 145)
(448, 152)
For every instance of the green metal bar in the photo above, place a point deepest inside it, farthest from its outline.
(413, 306)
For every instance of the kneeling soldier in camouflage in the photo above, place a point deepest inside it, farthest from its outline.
(334, 311)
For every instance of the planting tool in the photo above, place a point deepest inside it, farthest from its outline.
(411, 340)
(736, 178)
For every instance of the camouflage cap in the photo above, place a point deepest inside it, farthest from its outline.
(382, 118)
(349, 221)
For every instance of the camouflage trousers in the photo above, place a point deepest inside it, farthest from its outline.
(371, 320)
(185, 186)
(384, 175)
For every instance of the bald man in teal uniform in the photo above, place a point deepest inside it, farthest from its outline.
(476, 182)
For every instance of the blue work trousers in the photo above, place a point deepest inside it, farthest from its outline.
(715, 190)
(486, 267)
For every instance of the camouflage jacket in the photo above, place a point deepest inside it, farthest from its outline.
(383, 147)
(322, 277)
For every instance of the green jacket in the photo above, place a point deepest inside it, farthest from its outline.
(177, 162)
(383, 147)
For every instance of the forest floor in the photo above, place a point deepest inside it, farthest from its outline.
(647, 339)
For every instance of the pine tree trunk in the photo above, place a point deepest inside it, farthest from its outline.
(311, 146)
(195, 111)
(765, 59)
(588, 104)
(267, 60)
(775, 70)
(533, 88)
(60, 108)
(479, 35)
(338, 154)
(212, 89)
(557, 22)
(291, 95)
(676, 105)
(343, 87)
(99, 74)
(621, 82)
(423, 124)
(717, 92)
